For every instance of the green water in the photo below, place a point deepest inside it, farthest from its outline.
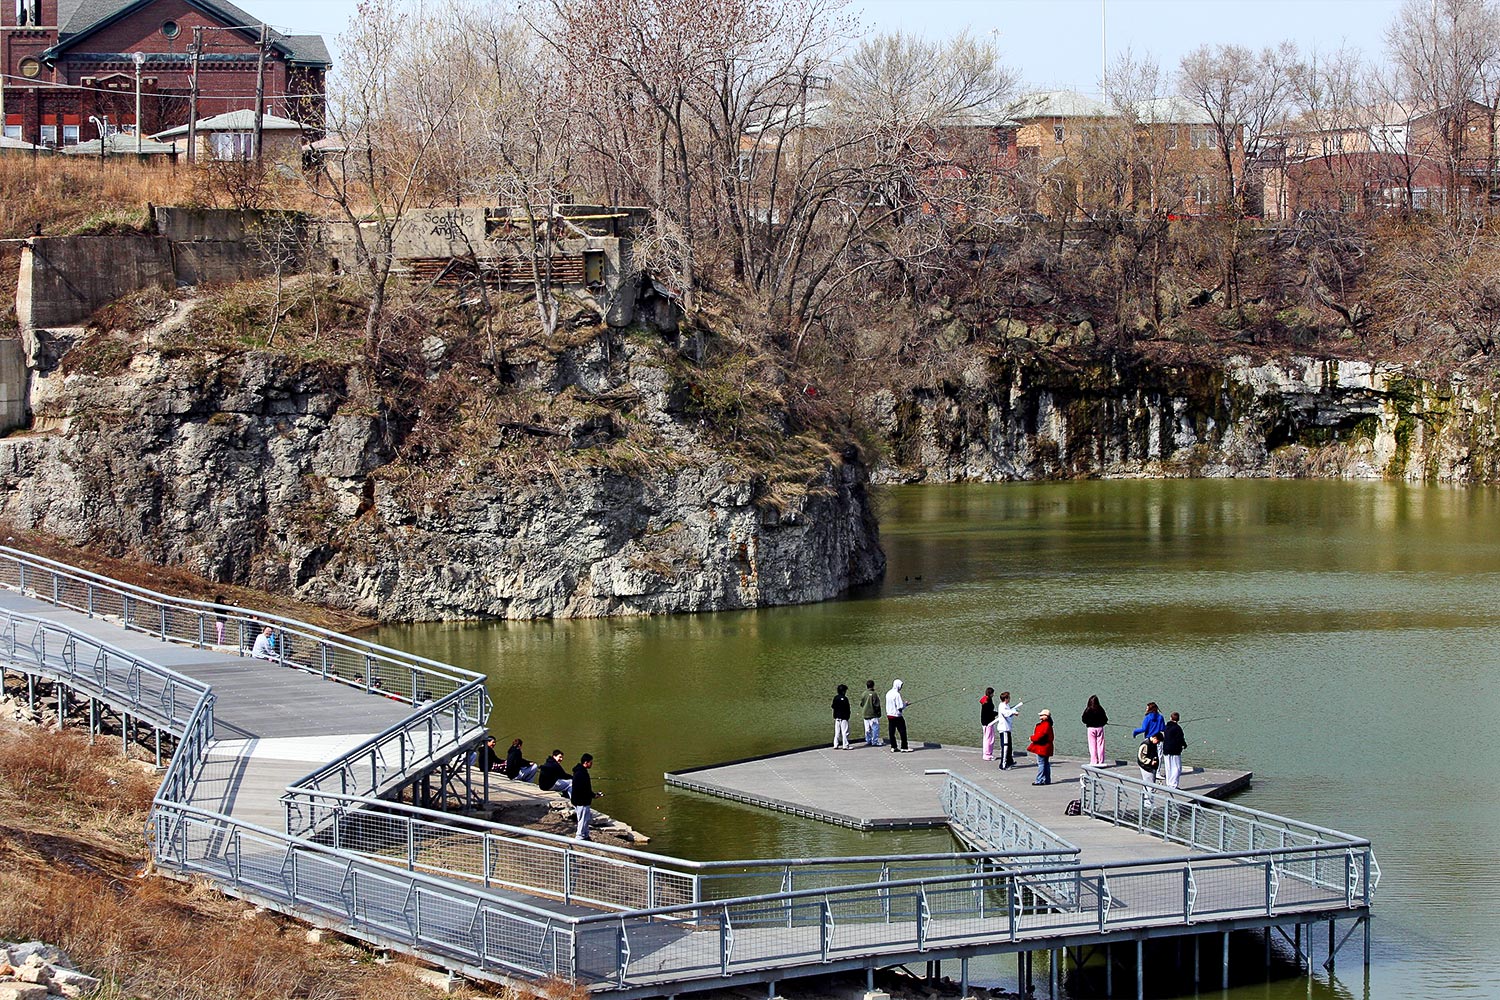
(1337, 639)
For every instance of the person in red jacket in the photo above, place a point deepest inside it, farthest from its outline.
(1041, 745)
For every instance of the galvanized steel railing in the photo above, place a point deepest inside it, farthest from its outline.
(444, 920)
(987, 821)
(816, 926)
(371, 667)
(1213, 825)
(436, 731)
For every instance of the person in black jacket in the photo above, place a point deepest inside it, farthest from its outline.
(1173, 742)
(582, 795)
(1095, 719)
(488, 758)
(841, 718)
(517, 767)
(553, 776)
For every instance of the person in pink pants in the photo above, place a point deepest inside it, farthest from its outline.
(1095, 719)
(987, 716)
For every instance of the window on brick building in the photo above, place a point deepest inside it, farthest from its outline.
(1171, 136)
(1057, 132)
(233, 145)
(1203, 137)
(70, 135)
(49, 135)
(12, 131)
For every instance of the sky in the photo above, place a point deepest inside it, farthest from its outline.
(1050, 43)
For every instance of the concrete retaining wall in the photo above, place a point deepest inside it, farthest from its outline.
(13, 387)
(65, 279)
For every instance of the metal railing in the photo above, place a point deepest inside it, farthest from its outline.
(816, 926)
(1212, 825)
(159, 696)
(444, 920)
(366, 665)
(436, 731)
(984, 820)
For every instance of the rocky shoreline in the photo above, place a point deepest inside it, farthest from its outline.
(1034, 416)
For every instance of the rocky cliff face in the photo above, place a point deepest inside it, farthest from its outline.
(260, 470)
(1039, 416)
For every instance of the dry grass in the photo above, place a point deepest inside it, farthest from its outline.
(71, 857)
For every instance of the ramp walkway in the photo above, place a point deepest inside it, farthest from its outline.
(283, 776)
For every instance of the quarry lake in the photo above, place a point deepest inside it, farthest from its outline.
(1338, 639)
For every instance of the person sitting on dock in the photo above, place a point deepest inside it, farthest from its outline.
(1041, 745)
(1173, 742)
(582, 795)
(1151, 724)
(517, 767)
(553, 777)
(488, 759)
(265, 645)
(895, 722)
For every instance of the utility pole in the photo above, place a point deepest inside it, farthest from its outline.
(193, 98)
(260, 91)
(140, 60)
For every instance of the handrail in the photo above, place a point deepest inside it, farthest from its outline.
(986, 815)
(365, 664)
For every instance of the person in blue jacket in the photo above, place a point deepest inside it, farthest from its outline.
(1152, 724)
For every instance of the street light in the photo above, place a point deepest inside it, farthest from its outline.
(102, 124)
(140, 60)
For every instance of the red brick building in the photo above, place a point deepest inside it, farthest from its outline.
(66, 61)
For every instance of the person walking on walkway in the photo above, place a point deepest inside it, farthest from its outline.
(841, 719)
(553, 777)
(517, 767)
(1151, 724)
(1095, 718)
(1004, 713)
(895, 722)
(1173, 742)
(987, 717)
(1041, 745)
(869, 710)
(582, 795)
(1148, 757)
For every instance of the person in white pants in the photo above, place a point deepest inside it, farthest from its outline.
(1173, 741)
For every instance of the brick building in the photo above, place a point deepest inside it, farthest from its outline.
(67, 61)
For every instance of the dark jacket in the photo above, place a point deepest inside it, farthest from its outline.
(514, 762)
(1095, 718)
(1173, 740)
(841, 706)
(487, 758)
(987, 713)
(1041, 739)
(582, 792)
(550, 773)
(869, 705)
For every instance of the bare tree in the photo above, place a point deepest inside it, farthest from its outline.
(387, 113)
(1447, 53)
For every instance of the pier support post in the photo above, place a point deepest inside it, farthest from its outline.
(1109, 970)
(1297, 942)
(1020, 972)
(1367, 948)
(1052, 978)
(963, 978)
(1197, 955)
(1226, 961)
(1140, 970)
(870, 979)
(1268, 951)
(1332, 947)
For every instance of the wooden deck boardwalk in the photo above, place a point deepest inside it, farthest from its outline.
(871, 788)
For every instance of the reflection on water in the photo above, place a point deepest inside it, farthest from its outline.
(1337, 639)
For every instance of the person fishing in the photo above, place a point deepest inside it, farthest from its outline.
(1148, 758)
(895, 722)
(1041, 745)
(987, 717)
(1173, 742)
(841, 719)
(869, 711)
(1094, 720)
(1151, 724)
(1005, 712)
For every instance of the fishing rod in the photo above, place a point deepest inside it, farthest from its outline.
(940, 694)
